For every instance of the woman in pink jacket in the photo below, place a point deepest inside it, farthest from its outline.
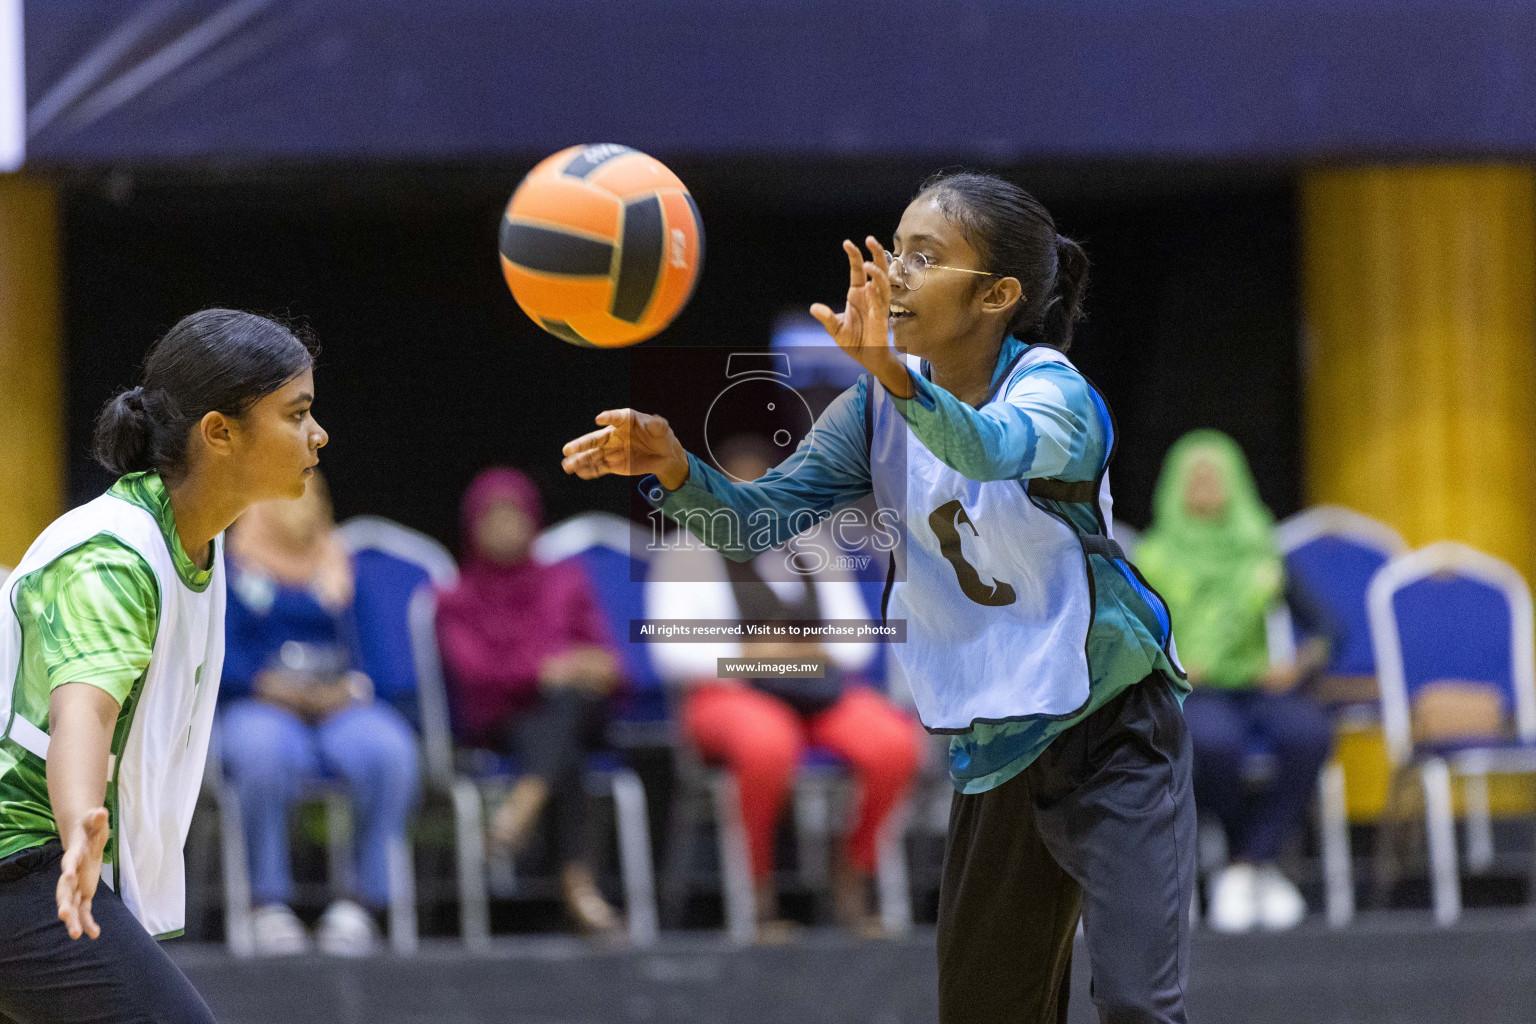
(531, 672)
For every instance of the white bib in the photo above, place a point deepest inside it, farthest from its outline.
(994, 589)
(160, 770)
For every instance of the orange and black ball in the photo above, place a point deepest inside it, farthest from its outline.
(602, 245)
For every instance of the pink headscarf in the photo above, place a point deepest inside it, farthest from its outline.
(495, 486)
(502, 620)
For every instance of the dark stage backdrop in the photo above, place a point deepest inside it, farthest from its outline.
(431, 372)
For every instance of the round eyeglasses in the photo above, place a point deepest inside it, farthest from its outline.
(914, 266)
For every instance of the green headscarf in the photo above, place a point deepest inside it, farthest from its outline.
(1219, 576)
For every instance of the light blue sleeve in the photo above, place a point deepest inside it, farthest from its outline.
(829, 468)
(1044, 425)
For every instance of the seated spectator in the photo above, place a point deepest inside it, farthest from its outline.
(1211, 553)
(296, 708)
(531, 674)
(759, 728)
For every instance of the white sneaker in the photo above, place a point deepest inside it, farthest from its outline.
(1280, 904)
(277, 931)
(1234, 899)
(346, 929)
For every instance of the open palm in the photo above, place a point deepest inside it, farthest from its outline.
(861, 328)
(79, 873)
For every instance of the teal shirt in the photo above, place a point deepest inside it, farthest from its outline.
(1049, 427)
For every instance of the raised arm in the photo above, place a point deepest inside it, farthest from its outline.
(1044, 425)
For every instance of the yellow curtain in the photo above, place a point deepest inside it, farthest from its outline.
(31, 392)
(1419, 362)
(1419, 291)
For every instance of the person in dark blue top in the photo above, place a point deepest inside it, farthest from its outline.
(1030, 639)
(295, 707)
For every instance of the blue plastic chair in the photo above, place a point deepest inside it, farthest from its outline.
(1334, 552)
(1448, 612)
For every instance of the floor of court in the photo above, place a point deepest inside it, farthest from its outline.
(1388, 967)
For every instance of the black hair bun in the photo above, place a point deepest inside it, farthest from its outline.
(125, 431)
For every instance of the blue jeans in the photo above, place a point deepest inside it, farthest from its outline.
(270, 753)
(1225, 725)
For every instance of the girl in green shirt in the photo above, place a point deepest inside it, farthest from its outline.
(111, 639)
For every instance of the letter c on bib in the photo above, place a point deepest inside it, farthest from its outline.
(945, 522)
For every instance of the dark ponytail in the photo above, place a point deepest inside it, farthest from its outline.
(1064, 308)
(215, 360)
(1016, 237)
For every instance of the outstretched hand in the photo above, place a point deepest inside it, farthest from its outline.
(630, 443)
(79, 872)
(861, 329)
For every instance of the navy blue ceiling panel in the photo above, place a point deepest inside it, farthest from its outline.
(126, 81)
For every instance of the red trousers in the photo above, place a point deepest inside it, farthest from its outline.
(759, 739)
